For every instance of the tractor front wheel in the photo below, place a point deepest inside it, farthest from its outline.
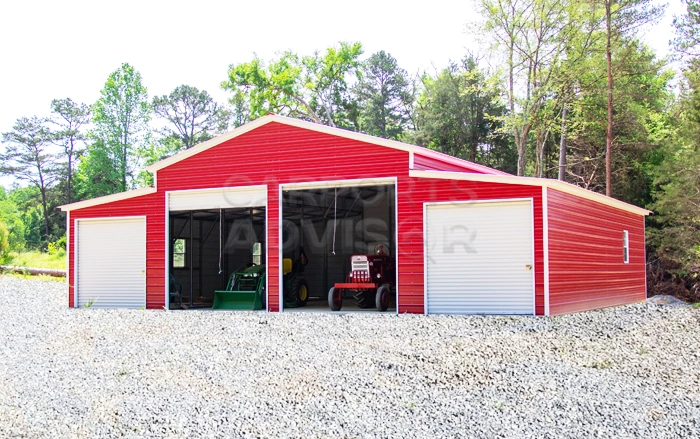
(364, 298)
(335, 299)
(382, 298)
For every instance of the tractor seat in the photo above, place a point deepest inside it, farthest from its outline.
(286, 266)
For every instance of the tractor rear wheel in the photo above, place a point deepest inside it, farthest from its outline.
(335, 299)
(382, 298)
(365, 298)
(298, 292)
(303, 292)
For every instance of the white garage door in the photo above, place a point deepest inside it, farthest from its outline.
(219, 198)
(479, 258)
(111, 263)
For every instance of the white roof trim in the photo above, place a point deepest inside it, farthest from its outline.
(108, 199)
(532, 181)
(318, 128)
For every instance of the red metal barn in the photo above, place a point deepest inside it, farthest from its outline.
(467, 239)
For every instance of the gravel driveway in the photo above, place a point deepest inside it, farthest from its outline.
(632, 371)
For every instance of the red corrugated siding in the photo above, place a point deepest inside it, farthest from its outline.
(274, 154)
(277, 153)
(586, 268)
(425, 163)
(152, 206)
(413, 192)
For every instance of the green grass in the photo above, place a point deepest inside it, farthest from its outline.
(36, 259)
(41, 277)
(696, 305)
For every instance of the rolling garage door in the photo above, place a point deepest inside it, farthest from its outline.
(479, 258)
(219, 198)
(111, 263)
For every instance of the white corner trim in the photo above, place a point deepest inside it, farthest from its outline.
(167, 252)
(108, 199)
(532, 181)
(545, 250)
(68, 246)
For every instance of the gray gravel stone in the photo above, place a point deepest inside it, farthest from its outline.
(623, 372)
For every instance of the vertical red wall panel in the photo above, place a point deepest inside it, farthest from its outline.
(413, 192)
(586, 266)
(153, 208)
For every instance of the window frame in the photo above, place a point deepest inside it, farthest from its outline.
(626, 246)
(176, 253)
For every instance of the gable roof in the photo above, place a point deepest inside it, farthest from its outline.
(339, 132)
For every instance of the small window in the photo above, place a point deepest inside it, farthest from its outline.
(257, 253)
(626, 246)
(179, 252)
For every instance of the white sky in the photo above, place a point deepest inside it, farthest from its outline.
(56, 49)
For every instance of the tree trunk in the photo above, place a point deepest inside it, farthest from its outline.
(521, 143)
(45, 209)
(562, 144)
(70, 178)
(609, 130)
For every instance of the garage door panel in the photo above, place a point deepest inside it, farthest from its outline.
(222, 198)
(480, 258)
(111, 263)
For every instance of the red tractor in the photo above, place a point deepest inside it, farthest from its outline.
(370, 280)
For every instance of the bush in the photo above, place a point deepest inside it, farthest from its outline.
(58, 248)
(4, 242)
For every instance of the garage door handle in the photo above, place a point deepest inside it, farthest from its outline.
(528, 266)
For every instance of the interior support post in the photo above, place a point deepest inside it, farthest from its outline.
(201, 248)
(191, 247)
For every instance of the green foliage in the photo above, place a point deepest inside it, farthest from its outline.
(4, 241)
(642, 98)
(314, 88)
(676, 236)
(27, 157)
(459, 113)
(687, 41)
(120, 118)
(69, 118)
(384, 97)
(192, 115)
(11, 218)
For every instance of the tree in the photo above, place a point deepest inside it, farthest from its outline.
(623, 18)
(459, 114)
(384, 97)
(642, 98)
(687, 27)
(27, 157)
(192, 115)
(120, 118)
(674, 231)
(314, 88)
(532, 37)
(70, 117)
